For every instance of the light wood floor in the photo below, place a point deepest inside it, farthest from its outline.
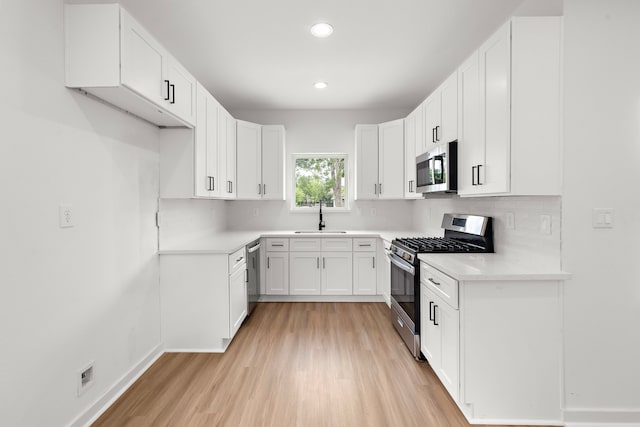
(294, 364)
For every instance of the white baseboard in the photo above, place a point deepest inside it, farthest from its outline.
(91, 414)
(518, 422)
(602, 418)
(321, 298)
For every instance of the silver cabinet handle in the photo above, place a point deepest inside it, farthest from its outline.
(380, 192)
(375, 188)
(373, 259)
(268, 263)
(259, 188)
(264, 189)
(240, 259)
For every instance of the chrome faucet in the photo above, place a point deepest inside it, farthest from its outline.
(321, 223)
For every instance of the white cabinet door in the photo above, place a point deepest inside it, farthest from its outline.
(249, 160)
(305, 273)
(440, 338)
(273, 162)
(391, 159)
(421, 144)
(364, 273)
(143, 61)
(430, 338)
(231, 157)
(201, 179)
(470, 125)
(237, 299)
(432, 119)
(495, 77)
(181, 94)
(449, 109)
(223, 181)
(410, 137)
(366, 162)
(337, 273)
(448, 320)
(213, 155)
(277, 273)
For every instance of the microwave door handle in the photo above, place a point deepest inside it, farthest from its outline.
(440, 159)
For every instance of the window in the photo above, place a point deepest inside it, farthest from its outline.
(320, 178)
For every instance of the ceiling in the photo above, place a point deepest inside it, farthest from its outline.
(259, 54)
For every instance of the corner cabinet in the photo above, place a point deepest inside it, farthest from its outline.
(509, 109)
(201, 162)
(260, 161)
(380, 161)
(111, 56)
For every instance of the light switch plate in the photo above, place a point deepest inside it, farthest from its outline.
(602, 218)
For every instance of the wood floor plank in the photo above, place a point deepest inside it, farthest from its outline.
(294, 364)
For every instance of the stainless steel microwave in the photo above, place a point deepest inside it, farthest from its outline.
(437, 170)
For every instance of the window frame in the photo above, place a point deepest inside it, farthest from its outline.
(314, 209)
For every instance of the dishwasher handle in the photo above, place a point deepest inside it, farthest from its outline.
(253, 248)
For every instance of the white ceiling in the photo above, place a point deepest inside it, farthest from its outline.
(259, 54)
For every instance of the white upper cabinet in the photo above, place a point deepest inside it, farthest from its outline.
(391, 159)
(509, 109)
(366, 162)
(380, 161)
(260, 161)
(411, 131)
(273, 162)
(249, 158)
(441, 114)
(110, 55)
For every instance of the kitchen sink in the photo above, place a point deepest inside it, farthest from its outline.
(320, 231)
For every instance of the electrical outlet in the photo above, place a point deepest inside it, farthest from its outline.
(545, 224)
(510, 221)
(65, 216)
(86, 378)
(602, 218)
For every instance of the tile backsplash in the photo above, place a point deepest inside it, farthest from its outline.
(518, 240)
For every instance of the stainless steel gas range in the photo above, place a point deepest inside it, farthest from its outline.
(462, 234)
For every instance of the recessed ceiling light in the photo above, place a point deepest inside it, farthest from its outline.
(320, 85)
(322, 29)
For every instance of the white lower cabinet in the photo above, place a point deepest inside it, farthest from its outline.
(305, 273)
(237, 299)
(337, 273)
(440, 338)
(277, 275)
(365, 269)
(500, 351)
(203, 300)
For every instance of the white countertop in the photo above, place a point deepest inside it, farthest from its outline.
(227, 242)
(491, 267)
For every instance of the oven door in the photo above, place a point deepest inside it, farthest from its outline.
(403, 284)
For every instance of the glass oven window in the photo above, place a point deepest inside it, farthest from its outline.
(403, 290)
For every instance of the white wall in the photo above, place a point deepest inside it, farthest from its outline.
(319, 131)
(602, 154)
(184, 220)
(69, 296)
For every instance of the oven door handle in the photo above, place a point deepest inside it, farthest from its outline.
(401, 264)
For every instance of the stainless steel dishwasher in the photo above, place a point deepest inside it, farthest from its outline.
(253, 275)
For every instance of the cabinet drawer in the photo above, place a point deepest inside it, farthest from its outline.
(236, 260)
(364, 244)
(277, 245)
(337, 245)
(444, 285)
(305, 245)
